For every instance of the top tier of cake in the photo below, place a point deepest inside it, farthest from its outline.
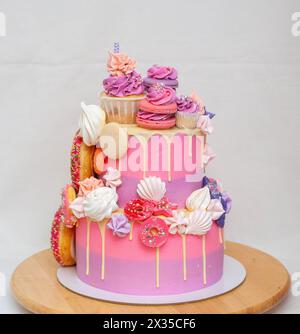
(175, 155)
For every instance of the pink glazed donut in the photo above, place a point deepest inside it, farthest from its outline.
(154, 232)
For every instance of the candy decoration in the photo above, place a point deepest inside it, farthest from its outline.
(81, 161)
(154, 233)
(68, 195)
(98, 161)
(62, 240)
(139, 210)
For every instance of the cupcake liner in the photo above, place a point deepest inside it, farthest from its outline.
(121, 109)
(186, 120)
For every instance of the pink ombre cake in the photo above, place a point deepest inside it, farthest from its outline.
(146, 220)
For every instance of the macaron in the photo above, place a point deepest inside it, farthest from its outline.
(149, 124)
(158, 109)
(113, 141)
(152, 120)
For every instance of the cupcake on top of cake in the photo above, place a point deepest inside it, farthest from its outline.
(123, 89)
(188, 112)
(161, 74)
(157, 110)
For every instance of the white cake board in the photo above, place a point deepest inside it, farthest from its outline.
(234, 274)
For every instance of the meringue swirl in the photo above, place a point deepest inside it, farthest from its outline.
(125, 85)
(162, 72)
(100, 203)
(161, 95)
(91, 123)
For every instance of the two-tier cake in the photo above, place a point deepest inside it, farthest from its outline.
(140, 217)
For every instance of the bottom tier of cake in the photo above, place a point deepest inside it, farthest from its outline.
(125, 265)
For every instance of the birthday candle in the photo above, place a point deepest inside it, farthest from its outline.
(116, 47)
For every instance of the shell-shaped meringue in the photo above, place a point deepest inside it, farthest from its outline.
(199, 222)
(112, 178)
(91, 123)
(198, 200)
(151, 188)
(216, 209)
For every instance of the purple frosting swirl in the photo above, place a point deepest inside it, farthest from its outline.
(162, 72)
(131, 84)
(160, 95)
(119, 225)
(187, 104)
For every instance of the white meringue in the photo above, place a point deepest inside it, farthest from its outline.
(199, 222)
(151, 188)
(199, 199)
(91, 123)
(112, 178)
(177, 222)
(215, 207)
(100, 203)
(77, 207)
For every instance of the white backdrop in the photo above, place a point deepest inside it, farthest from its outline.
(239, 55)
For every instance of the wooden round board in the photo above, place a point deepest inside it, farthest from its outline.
(35, 286)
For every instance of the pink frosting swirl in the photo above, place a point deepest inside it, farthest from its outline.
(162, 72)
(119, 64)
(143, 115)
(161, 95)
(187, 104)
(131, 84)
